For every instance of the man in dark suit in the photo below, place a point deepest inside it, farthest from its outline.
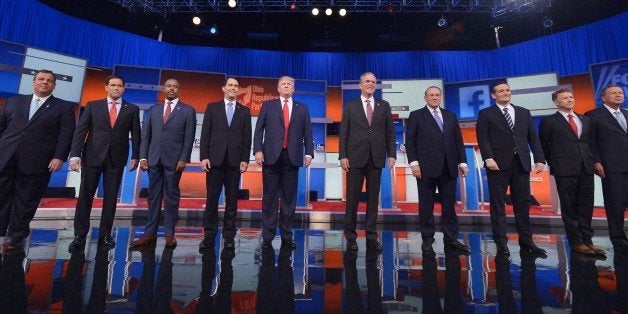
(609, 145)
(436, 154)
(35, 136)
(101, 147)
(565, 140)
(282, 132)
(224, 154)
(167, 141)
(366, 139)
(506, 134)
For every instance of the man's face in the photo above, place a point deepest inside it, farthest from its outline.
(565, 101)
(432, 97)
(171, 88)
(368, 84)
(501, 94)
(43, 84)
(613, 96)
(231, 89)
(285, 87)
(115, 88)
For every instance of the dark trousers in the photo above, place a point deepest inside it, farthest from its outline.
(112, 176)
(279, 179)
(615, 191)
(576, 206)
(519, 181)
(20, 194)
(216, 178)
(163, 185)
(355, 178)
(446, 185)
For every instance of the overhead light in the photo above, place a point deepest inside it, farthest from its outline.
(232, 3)
(293, 6)
(196, 20)
(342, 12)
(442, 22)
(213, 30)
(315, 11)
(547, 22)
(328, 12)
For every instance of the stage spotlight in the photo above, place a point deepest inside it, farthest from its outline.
(342, 12)
(213, 30)
(328, 12)
(196, 20)
(547, 22)
(293, 6)
(315, 11)
(232, 3)
(442, 22)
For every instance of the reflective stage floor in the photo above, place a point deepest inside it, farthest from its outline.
(317, 277)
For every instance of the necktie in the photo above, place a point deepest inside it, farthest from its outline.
(369, 111)
(34, 107)
(168, 111)
(621, 120)
(438, 119)
(508, 119)
(113, 113)
(573, 125)
(229, 113)
(286, 123)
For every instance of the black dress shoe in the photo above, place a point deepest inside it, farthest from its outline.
(532, 248)
(458, 247)
(77, 245)
(352, 245)
(374, 245)
(502, 249)
(427, 249)
(206, 245)
(267, 245)
(229, 245)
(107, 242)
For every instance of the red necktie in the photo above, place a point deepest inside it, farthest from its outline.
(369, 111)
(113, 113)
(168, 111)
(573, 124)
(286, 123)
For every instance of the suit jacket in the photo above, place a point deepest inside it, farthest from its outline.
(219, 140)
(171, 141)
(498, 141)
(94, 137)
(430, 146)
(566, 154)
(358, 140)
(269, 132)
(609, 142)
(46, 136)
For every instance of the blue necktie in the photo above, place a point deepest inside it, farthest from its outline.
(620, 118)
(34, 106)
(438, 119)
(229, 113)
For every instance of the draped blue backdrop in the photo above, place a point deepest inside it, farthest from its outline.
(570, 52)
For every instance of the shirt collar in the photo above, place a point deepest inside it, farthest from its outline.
(227, 101)
(611, 109)
(364, 99)
(284, 99)
(41, 99)
(174, 101)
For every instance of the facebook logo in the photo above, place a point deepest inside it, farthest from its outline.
(472, 99)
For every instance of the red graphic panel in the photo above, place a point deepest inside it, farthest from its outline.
(197, 89)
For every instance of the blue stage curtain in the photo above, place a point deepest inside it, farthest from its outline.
(34, 24)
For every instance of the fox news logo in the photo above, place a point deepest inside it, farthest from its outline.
(472, 99)
(615, 74)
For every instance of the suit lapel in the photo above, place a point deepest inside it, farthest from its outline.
(609, 116)
(429, 116)
(124, 109)
(223, 113)
(175, 110)
(26, 106)
(360, 108)
(42, 108)
(500, 116)
(562, 121)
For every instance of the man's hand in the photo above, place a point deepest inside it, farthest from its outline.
(144, 165)
(133, 164)
(259, 158)
(416, 171)
(55, 164)
(491, 164)
(391, 162)
(180, 166)
(463, 170)
(243, 166)
(206, 165)
(307, 161)
(599, 170)
(75, 165)
(539, 166)
(344, 164)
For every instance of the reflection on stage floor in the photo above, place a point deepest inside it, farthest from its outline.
(318, 277)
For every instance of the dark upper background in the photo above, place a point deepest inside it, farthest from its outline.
(378, 31)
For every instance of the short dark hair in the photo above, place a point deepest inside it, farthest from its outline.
(498, 83)
(230, 78)
(603, 91)
(54, 76)
(560, 91)
(440, 90)
(112, 77)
